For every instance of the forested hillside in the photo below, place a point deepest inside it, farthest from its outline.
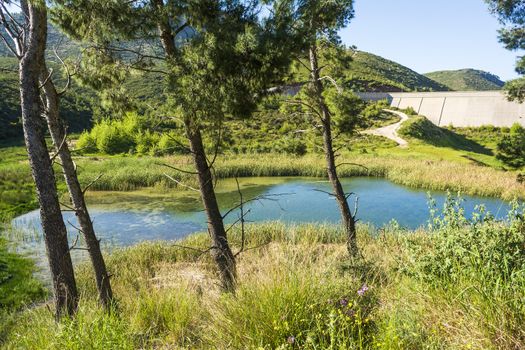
(369, 72)
(467, 80)
(77, 103)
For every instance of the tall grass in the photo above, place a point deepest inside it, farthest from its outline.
(297, 289)
(129, 173)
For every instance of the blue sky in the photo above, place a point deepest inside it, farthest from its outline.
(430, 35)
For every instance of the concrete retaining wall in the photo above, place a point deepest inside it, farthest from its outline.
(459, 109)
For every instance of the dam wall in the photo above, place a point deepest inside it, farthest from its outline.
(460, 109)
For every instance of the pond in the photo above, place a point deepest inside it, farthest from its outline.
(126, 218)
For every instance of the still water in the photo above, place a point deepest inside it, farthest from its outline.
(126, 218)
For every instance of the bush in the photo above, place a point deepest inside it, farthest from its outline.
(410, 111)
(293, 146)
(511, 149)
(480, 261)
(146, 142)
(87, 143)
(111, 139)
(473, 247)
(131, 134)
(373, 110)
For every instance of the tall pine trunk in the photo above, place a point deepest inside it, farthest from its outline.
(55, 233)
(222, 253)
(348, 219)
(58, 135)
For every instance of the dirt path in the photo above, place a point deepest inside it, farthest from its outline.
(390, 131)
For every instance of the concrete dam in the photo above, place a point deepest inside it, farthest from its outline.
(460, 109)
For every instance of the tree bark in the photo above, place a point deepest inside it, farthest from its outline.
(222, 253)
(347, 218)
(55, 233)
(58, 135)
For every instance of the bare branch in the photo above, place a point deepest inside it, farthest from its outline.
(354, 164)
(180, 183)
(355, 207)
(252, 248)
(59, 148)
(327, 77)
(91, 183)
(326, 192)
(74, 243)
(181, 170)
(69, 75)
(46, 80)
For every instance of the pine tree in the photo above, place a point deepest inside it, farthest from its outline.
(218, 58)
(317, 22)
(511, 14)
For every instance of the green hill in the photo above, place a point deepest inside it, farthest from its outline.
(369, 72)
(467, 80)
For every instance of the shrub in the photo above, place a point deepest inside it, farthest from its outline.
(111, 139)
(146, 141)
(87, 143)
(511, 149)
(294, 146)
(479, 260)
(410, 111)
(477, 246)
(170, 143)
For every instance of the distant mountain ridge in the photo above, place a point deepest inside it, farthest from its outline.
(372, 73)
(467, 79)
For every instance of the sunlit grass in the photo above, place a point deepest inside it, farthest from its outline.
(297, 289)
(130, 173)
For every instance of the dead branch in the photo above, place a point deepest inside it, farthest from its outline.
(355, 207)
(47, 79)
(180, 183)
(91, 183)
(243, 233)
(70, 208)
(327, 77)
(325, 192)
(177, 169)
(354, 164)
(252, 248)
(66, 68)
(74, 243)
(60, 147)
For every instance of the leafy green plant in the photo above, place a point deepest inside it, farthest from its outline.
(511, 148)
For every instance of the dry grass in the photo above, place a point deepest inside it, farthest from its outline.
(292, 286)
(132, 173)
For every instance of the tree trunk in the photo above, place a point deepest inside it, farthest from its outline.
(55, 233)
(346, 216)
(58, 134)
(222, 253)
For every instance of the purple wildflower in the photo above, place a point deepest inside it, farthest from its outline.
(362, 290)
(343, 302)
(291, 339)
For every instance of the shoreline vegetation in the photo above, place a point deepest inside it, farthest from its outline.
(131, 173)
(127, 173)
(297, 289)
